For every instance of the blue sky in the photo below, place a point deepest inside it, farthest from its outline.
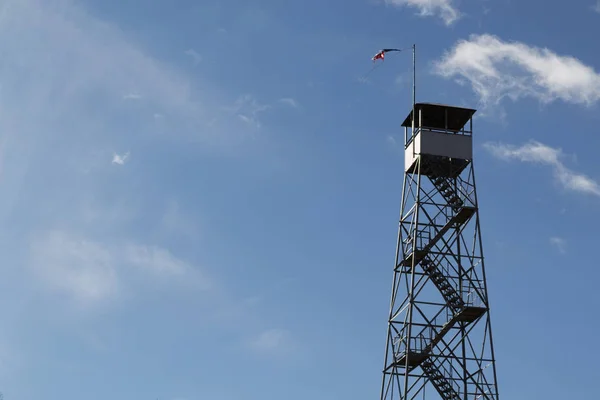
(199, 199)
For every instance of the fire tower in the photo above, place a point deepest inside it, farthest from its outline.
(439, 340)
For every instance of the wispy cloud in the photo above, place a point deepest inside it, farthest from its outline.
(289, 101)
(155, 260)
(132, 96)
(120, 159)
(91, 272)
(100, 66)
(559, 243)
(596, 7)
(392, 140)
(58, 115)
(247, 108)
(536, 152)
(62, 115)
(443, 9)
(194, 55)
(160, 263)
(496, 69)
(82, 269)
(83, 242)
(272, 341)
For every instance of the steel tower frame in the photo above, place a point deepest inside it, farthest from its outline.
(439, 336)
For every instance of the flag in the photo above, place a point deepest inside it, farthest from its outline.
(381, 54)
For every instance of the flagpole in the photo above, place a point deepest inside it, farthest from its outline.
(414, 91)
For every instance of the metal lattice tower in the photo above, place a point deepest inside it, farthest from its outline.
(439, 340)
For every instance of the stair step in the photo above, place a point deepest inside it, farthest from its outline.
(460, 218)
(441, 383)
(448, 192)
(447, 289)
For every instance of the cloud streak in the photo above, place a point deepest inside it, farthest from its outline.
(132, 96)
(538, 153)
(289, 101)
(120, 159)
(443, 9)
(496, 69)
(81, 269)
(92, 273)
(247, 108)
(273, 342)
(194, 55)
(559, 243)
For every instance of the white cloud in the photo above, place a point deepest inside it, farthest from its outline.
(132, 96)
(596, 7)
(92, 272)
(392, 140)
(496, 69)
(530, 152)
(82, 269)
(560, 244)
(194, 55)
(247, 108)
(120, 159)
(253, 121)
(155, 260)
(289, 101)
(274, 341)
(441, 8)
(536, 152)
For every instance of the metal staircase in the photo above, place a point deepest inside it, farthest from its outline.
(462, 216)
(443, 284)
(433, 334)
(443, 385)
(446, 188)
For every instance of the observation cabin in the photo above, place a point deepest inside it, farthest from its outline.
(441, 138)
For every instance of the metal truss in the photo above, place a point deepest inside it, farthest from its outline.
(439, 339)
